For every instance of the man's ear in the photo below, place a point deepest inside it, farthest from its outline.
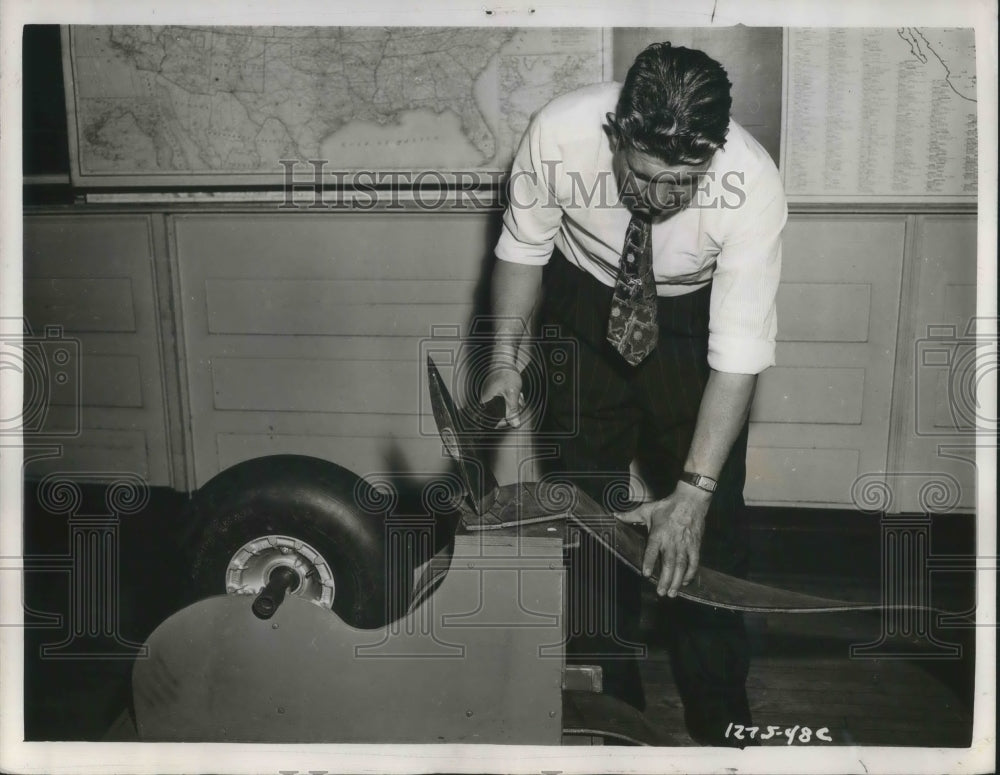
(611, 130)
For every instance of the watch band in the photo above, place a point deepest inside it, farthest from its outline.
(706, 483)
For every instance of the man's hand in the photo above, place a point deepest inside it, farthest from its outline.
(676, 525)
(505, 381)
(516, 290)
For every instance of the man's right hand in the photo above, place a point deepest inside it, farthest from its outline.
(505, 381)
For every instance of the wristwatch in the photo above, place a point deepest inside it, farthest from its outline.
(706, 483)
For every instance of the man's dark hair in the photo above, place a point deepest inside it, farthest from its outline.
(674, 105)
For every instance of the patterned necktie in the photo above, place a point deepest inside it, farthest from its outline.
(632, 326)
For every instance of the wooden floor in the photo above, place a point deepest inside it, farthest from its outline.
(802, 675)
(802, 672)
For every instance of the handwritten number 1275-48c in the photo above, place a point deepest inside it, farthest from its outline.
(792, 735)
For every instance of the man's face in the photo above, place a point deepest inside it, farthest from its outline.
(650, 187)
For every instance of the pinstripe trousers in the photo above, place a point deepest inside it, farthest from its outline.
(608, 413)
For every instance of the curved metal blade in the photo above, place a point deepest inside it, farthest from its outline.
(480, 484)
(709, 587)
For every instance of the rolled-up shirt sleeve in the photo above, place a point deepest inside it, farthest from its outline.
(533, 215)
(743, 319)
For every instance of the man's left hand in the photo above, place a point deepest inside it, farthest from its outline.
(676, 525)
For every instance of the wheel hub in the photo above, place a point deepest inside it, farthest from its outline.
(251, 566)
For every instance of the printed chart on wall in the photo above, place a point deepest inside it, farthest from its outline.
(880, 115)
(210, 106)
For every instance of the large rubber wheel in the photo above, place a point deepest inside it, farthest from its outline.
(321, 520)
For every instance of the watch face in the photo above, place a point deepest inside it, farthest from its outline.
(702, 482)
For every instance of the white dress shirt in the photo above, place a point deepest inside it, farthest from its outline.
(563, 194)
